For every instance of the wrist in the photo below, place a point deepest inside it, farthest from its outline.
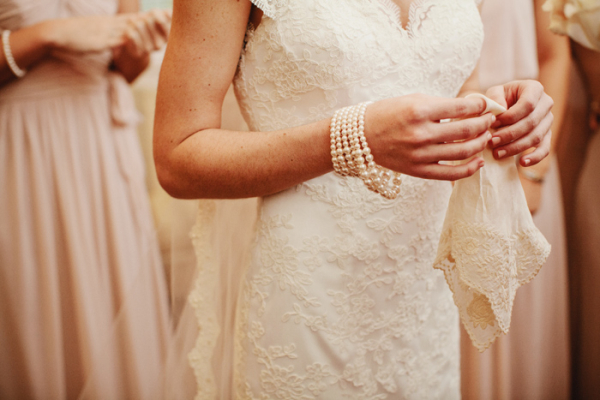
(48, 35)
(531, 175)
(535, 174)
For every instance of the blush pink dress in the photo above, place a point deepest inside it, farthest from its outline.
(83, 303)
(533, 360)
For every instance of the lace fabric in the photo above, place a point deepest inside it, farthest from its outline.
(339, 298)
(489, 245)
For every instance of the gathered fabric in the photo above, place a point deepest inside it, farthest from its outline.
(489, 245)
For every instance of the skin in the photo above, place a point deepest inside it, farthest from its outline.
(196, 159)
(554, 64)
(131, 36)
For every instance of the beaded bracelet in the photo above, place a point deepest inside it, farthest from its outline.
(10, 60)
(351, 155)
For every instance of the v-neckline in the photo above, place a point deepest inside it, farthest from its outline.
(395, 13)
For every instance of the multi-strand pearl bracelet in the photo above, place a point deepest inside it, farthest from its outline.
(351, 156)
(10, 60)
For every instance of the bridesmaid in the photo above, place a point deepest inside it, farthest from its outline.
(83, 304)
(580, 151)
(533, 360)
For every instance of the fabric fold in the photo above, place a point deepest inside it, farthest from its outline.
(489, 245)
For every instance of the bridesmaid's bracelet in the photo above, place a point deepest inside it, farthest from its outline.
(10, 60)
(351, 155)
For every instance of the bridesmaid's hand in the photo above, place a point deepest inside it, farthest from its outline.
(405, 135)
(147, 32)
(87, 34)
(526, 124)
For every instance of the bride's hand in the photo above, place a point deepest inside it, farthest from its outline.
(87, 34)
(405, 135)
(526, 124)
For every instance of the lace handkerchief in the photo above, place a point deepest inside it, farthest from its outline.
(489, 245)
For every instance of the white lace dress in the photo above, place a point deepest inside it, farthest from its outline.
(340, 299)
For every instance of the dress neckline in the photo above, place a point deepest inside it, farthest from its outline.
(395, 13)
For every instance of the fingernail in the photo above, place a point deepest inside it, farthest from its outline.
(481, 164)
(489, 136)
(527, 161)
(496, 140)
(501, 153)
(493, 118)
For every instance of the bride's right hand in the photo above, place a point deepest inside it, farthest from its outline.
(405, 135)
(87, 34)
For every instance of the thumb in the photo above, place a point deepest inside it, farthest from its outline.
(496, 93)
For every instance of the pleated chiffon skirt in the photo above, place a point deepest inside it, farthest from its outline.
(83, 301)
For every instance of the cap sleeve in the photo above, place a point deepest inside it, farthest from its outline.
(269, 8)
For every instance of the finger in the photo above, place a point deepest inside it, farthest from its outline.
(139, 35)
(145, 31)
(118, 27)
(464, 129)
(155, 37)
(538, 154)
(496, 93)
(160, 24)
(135, 40)
(162, 17)
(533, 139)
(524, 127)
(448, 172)
(457, 108)
(452, 151)
(527, 94)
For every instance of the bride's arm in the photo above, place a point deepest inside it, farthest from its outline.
(196, 159)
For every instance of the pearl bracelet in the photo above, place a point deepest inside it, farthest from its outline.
(351, 155)
(10, 60)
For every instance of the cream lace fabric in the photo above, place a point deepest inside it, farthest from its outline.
(489, 246)
(339, 298)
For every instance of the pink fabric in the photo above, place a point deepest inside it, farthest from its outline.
(83, 305)
(533, 360)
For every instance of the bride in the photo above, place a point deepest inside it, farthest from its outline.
(338, 298)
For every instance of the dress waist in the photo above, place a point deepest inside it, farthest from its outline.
(54, 78)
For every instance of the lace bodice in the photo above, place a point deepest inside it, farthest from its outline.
(340, 298)
(318, 56)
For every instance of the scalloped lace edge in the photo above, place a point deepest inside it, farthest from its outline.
(443, 262)
(266, 6)
(203, 300)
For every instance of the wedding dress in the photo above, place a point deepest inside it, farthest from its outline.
(338, 297)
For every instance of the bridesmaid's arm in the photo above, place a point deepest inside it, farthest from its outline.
(554, 57)
(28, 46)
(31, 45)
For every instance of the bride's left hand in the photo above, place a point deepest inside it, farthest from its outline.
(526, 124)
